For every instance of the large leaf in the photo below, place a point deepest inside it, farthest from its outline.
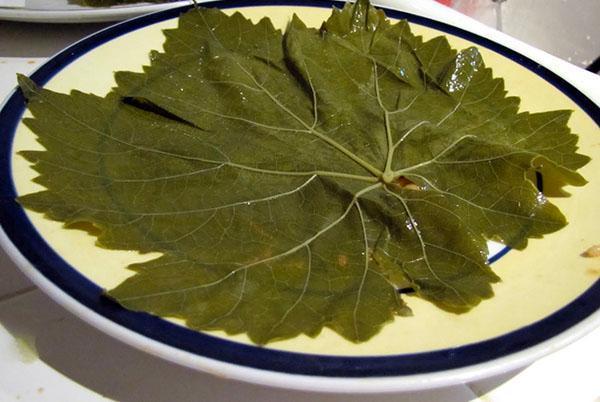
(298, 181)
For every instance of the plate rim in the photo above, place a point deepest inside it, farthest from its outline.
(448, 360)
(300, 382)
(89, 14)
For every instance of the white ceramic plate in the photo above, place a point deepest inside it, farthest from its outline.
(431, 349)
(60, 11)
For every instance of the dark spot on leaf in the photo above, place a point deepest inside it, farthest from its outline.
(146, 105)
(342, 260)
(404, 183)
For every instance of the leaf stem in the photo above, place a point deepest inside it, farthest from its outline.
(388, 175)
(435, 158)
(323, 173)
(364, 164)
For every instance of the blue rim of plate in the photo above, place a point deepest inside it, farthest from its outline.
(45, 260)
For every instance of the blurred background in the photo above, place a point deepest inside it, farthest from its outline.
(569, 29)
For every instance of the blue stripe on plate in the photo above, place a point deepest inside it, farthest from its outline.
(26, 238)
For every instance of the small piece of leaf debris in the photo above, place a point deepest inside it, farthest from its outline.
(592, 252)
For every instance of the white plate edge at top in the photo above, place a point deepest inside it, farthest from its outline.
(86, 14)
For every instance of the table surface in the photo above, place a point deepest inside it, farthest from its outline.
(48, 354)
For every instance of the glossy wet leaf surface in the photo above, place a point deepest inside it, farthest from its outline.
(299, 180)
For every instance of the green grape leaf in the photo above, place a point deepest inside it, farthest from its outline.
(299, 180)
